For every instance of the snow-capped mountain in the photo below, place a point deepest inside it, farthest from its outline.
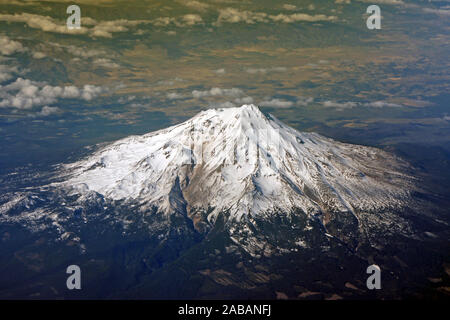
(239, 161)
(230, 198)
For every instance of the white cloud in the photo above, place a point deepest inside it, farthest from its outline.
(105, 63)
(126, 99)
(174, 96)
(95, 28)
(339, 105)
(26, 94)
(244, 100)
(265, 70)
(290, 7)
(232, 15)
(296, 17)
(38, 55)
(220, 71)
(276, 103)
(197, 5)
(382, 104)
(182, 21)
(90, 92)
(163, 21)
(6, 72)
(93, 56)
(69, 92)
(191, 19)
(83, 52)
(348, 105)
(44, 23)
(234, 92)
(107, 28)
(46, 111)
(8, 46)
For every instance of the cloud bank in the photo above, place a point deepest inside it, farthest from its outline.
(233, 15)
(27, 94)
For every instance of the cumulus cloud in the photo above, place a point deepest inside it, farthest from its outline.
(89, 26)
(174, 96)
(382, 104)
(26, 94)
(46, 111)
(265, 70)
(163, 21)
(90, 92)
(276, 103)
(197, 5)
(182, 21)
(234, 92)
(126, 99)
(6, 72)
(83, 52)
(348, 105)
(339, 105)
(296, 17)
(220, 71)
(244, 100)
(44, 23)
(290, 7)
(191, 19)
(94, 56)
(8, 46)
(38, 55)
(105, 63)
(107, 28)
(233, 15)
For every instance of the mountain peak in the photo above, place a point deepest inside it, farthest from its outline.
(247, 108)
(245, 113)
(239, 161)
(250, 109)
